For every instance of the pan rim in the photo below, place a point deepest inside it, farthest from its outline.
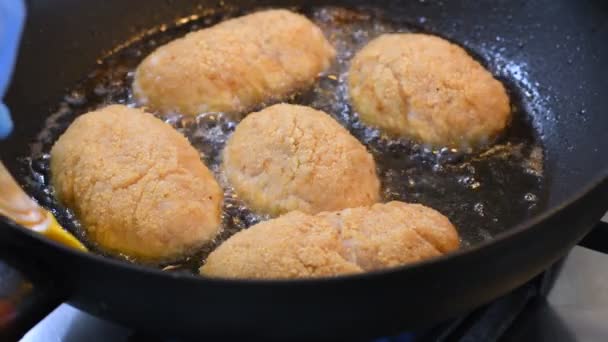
(502, 237)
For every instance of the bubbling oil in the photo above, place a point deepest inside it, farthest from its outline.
(483, 193)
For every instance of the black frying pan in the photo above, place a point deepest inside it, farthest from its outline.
(565, 47)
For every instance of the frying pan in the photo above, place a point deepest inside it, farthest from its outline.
(564, 45)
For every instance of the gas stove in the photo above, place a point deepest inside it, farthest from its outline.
(569, 302)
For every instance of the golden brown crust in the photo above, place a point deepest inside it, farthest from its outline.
(288, 157)
(355, 240)
(137, 185)
(234, 65)
(428, 89)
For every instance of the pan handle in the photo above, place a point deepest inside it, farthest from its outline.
(597, 239)
(27, 294)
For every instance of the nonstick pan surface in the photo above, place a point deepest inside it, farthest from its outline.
(552, 50)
